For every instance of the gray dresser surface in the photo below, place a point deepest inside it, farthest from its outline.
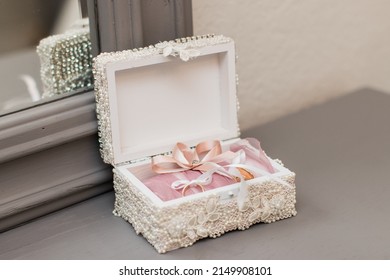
(340, 151)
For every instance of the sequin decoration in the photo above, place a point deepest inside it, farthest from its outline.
(66, 62)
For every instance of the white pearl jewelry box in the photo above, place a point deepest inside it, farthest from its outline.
(185, 90)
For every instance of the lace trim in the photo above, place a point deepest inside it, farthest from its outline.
(169, 228)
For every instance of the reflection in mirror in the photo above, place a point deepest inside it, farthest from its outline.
(59, 67)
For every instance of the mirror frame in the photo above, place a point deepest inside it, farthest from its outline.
(57, 142)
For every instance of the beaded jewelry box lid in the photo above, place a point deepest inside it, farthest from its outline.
(148, 99)
(66, 60)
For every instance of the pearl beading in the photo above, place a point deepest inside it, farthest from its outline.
(172, 227)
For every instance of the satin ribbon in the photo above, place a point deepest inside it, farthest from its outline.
(251, 147)
(233, 171)
(206, 156)
(204, 179)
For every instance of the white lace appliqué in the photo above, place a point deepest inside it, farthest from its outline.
(263, 208)
(196, 225)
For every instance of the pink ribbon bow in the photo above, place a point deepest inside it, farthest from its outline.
(207, 155)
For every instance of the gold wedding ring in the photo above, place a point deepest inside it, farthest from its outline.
(245, 174)
(183, 192)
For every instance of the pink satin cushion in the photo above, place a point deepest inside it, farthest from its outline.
(161, 184)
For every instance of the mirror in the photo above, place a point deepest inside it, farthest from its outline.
(23, 24)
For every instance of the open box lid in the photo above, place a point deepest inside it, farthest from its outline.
(177, 91)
